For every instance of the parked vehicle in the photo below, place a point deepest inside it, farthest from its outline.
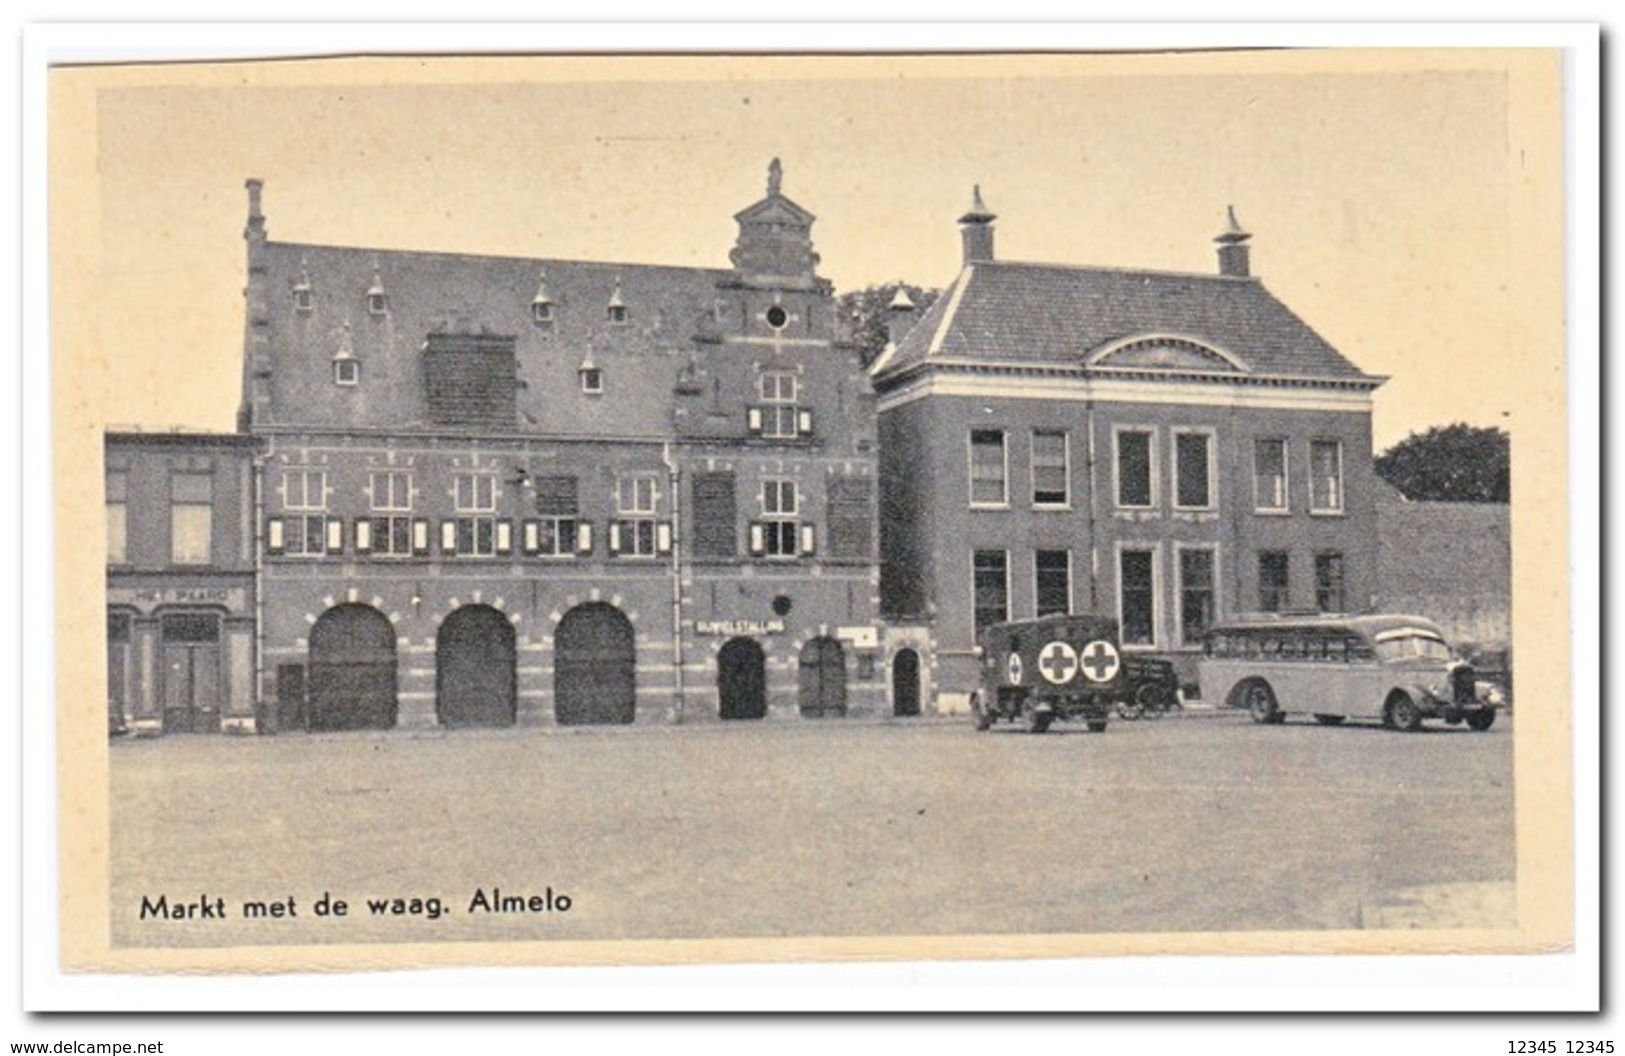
(1396, 669)
(1154, 689)
(1053, 667)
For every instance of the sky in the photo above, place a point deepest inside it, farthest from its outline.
(1382, 188)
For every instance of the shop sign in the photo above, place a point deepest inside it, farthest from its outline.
(735, 628)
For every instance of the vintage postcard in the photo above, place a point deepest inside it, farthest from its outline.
(581, 510)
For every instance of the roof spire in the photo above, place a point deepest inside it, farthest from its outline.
(775, 177)
(978, 212)
(1234, 252)
(976, 229)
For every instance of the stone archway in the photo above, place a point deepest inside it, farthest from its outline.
(352, 670)
(594, 666)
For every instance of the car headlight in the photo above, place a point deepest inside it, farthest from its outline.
(1489, 693)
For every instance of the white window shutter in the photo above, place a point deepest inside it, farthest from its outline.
(584, 538)
(420, 536)
(804, 422)
(335, 535)
(809, 539)
(363, 535)
(504, 537)
(663, 537)
(532, 537)
(273, 535)
(758, 539)
(753, 419)
(448, 537)
(614, 537)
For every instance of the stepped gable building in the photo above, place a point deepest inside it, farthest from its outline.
(181, 593)
(502, 491)
(1166, 448)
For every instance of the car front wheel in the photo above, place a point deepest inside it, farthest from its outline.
(1481, 720)
(1403, 714)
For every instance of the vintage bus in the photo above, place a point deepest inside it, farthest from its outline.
(1396, 669)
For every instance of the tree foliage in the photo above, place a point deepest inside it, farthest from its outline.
(1450, 463)
(864, 316)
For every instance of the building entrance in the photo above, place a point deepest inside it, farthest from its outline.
(822, 688)
(352, 670)
(191, 662)
(742, 679)
(905, 683)
(476, 680)
(594, 675)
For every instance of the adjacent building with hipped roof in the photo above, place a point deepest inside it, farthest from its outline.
(1164, 447)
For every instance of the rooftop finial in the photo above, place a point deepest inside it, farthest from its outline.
(1233, 231)
(775, 177)
(978, 213)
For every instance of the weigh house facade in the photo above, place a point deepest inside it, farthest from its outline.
(500, 491)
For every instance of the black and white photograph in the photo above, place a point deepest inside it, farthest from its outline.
(649, 510)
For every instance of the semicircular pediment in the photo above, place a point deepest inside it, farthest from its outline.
(1166, 352)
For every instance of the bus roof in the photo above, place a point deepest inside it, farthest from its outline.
(1366, 626)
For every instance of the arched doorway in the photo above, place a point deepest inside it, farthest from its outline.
(823, 678)
(742, 679)
(476, 680)
(905, 683)
(352, 670)
(594, 678)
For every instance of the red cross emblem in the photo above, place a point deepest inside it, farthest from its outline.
(1100, 661)
(1058, 662)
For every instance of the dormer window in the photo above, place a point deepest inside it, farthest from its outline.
(592, 380)
(541, 306)
(377, 302)
(346, 371)
(618, 314)
(303, 300)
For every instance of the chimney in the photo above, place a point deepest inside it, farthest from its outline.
(255, 231)
(1234, 253)
(976, 229)
(899, 316)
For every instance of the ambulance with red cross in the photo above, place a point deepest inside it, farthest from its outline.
(1053, 667)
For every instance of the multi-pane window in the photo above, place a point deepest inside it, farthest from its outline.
(389, 530)
(555, 531)
(191, 517)
(475, 496)
(1052, 582)
(779, 411)
(118, 531)
(304, 497)
(1196, 594)
(990, 588)
(633, 534)
(1274, 580)
(1329, 582)
(1049, 468)
(1135, 487)
(988, 469)
(1326, 476)
(780, 518)
(1193, 470)
(1137, 595)
(1269, 474)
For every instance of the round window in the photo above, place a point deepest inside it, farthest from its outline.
(776, 317)
(781, 605)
